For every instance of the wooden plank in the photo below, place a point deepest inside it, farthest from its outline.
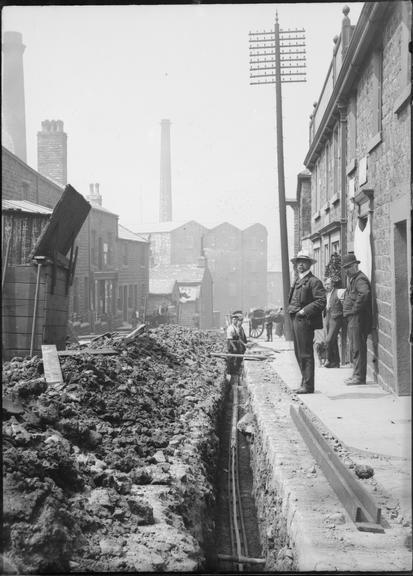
(65, 223)
(364, 497)
(92, 351)
(351, 494)
(51, 364)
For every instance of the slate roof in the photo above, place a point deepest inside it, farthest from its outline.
(25, 206)
(125, 234)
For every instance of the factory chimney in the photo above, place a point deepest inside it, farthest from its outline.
(52, 151)
(165, 199)
(14, 112)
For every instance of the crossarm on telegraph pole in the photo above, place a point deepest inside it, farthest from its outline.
(275, 57)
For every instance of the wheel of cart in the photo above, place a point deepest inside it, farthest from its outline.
(256, 322)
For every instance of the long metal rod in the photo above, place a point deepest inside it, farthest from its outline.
(281, 186)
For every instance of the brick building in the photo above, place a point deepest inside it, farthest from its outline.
(133, 279)
(195, 290)
(108, 285)
(237, 259)
(359, 158)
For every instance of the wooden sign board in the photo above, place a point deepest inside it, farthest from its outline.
(65, 222)
(51, 364)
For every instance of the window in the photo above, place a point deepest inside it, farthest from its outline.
(93, 247)
(76, 296)
(100, 253)
(120, 298)
(335, 247)
(110, 244)
(352, 128)
(336, 161)
(125, 253)
(105, 253)
(86, 295)
(130, 296)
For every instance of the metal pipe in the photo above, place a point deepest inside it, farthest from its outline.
(241, 559)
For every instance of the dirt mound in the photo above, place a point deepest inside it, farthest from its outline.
(113, 460)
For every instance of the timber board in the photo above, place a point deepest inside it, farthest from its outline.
(64, 225)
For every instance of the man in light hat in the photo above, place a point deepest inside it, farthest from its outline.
(307, 301)
(358, 311)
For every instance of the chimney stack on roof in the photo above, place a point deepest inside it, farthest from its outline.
(52, 151)
(94, 194)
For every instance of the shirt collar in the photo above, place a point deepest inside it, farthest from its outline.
(301, 276)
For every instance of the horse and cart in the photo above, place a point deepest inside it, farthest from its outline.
(258, 317)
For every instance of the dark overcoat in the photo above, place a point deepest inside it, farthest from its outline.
(357, 300)
(311, 296)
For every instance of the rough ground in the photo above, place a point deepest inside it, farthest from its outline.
(112, 471)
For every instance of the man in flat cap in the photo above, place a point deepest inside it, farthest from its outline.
(358, 311)
(307, 301)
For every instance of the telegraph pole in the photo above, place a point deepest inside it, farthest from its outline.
(275, 57)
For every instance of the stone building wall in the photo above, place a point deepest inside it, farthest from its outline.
(388, 176)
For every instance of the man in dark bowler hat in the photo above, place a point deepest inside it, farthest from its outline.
(307, 301)
(358, 311)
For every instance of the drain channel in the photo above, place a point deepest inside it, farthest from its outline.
(237, 538)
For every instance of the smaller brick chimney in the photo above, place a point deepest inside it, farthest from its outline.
(94, 194)
(52, 151)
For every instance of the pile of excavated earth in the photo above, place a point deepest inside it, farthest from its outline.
(113, 470)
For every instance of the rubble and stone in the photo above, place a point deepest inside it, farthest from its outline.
(114, 469)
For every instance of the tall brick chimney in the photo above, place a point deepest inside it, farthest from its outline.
(165, 199)
(14, 110)
(52, 151)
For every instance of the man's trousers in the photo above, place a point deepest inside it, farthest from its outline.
(357, 334)
(333, 326)
(303, 334)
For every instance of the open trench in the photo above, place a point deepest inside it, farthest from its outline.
(128, 466)
(237, 546)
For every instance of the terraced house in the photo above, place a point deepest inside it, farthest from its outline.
(359, 160)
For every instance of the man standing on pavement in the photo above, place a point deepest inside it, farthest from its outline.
(334, 319)
(307, 301)
(358, 311)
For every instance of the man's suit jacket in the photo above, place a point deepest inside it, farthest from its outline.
(311, 297)
(357, 300)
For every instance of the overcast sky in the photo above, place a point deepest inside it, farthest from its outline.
(111, 73)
